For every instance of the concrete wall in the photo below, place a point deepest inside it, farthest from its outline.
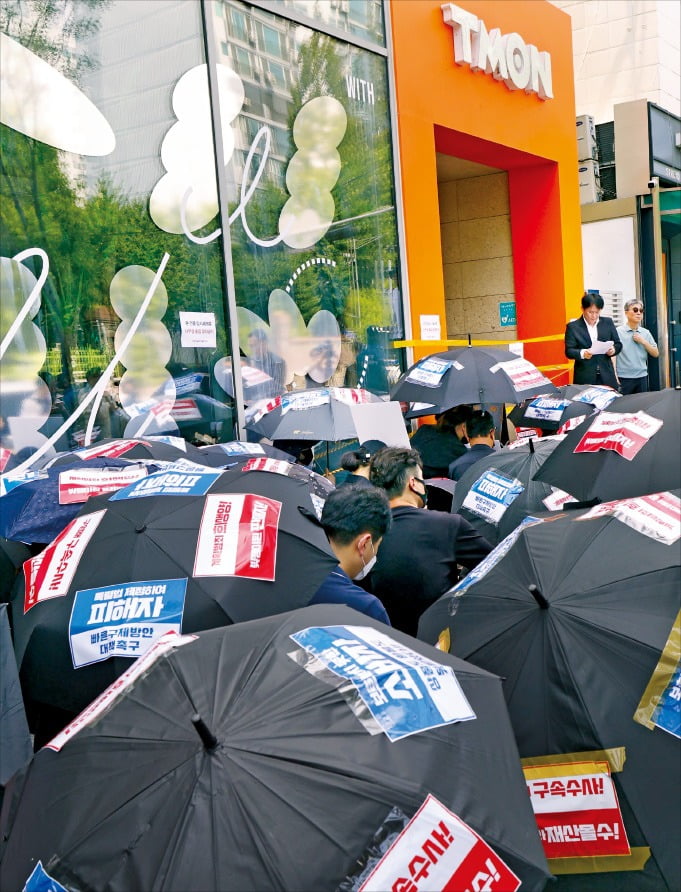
(625, 50)
(477, 255)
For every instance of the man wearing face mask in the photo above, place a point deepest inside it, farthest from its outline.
(421, 552)
(355, 519)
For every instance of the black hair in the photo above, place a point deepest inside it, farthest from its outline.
(479, 424)
(360, 457)
(351, 510)
(392, 467)
(452, 418)
(591, 299)
(259, 334)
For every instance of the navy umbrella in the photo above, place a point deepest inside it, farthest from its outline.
(37, 511)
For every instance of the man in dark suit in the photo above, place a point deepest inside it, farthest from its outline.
(582, 334)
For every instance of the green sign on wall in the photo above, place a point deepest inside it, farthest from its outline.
(507, 313)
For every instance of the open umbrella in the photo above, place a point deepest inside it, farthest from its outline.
(498, 491)
(161, 448)
(12, 557)
(573, 613)
(224, 454)
(16, 746)
(321, 413)
(630, 448)
(37, 511)
(233, 546)
(475, 375)
(238, 761)
(548, 412)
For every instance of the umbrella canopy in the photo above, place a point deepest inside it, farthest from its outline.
(16, 746)
(38, 510)
(498, 491)
(548, 412)
(237, 545)
(630, 448)
(234, 761)
(225, 454)
(475, 375)
(157, 447)
(573, 613)
(321, 413)
(12, 557)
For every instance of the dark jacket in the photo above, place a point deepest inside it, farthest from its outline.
(338, 588)
(418, 561)
(437, 448)
(459, 467)
(598, 369)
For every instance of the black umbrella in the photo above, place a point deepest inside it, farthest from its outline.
(161, 448)
(12, 557)
(621, 452)
(475, 375)
(237, 761)
(573, 613)
(550, 411)
(498, 491)
(226, 454)
(321, 413)
(16, 746)
(249, 546)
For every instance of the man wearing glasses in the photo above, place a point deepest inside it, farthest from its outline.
(637, 345)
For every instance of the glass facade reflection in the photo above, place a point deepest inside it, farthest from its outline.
(114, 294)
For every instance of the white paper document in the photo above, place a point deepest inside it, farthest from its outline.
(600, 347)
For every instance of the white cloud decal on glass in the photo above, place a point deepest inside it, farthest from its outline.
(313, 172)
(187, 150)
(38, 101)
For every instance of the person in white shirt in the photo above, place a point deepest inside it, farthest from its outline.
(586, 333)
(637, 345)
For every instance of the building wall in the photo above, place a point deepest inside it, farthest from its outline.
(625, 50)
(477, 255)
(449, 108)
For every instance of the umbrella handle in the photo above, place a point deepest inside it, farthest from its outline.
(538, 597)
(208, 739)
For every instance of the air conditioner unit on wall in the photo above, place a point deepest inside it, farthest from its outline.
(590, 189)
(613, 306)
(587, 146)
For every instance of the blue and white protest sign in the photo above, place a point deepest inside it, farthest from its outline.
(41, 881)
(403, 691)
(667, 714)
(10, 481)
(430, 372)
(491, 494)
(545, 408)
(176, 480)
(124, 620)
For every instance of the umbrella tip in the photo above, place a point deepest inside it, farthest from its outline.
(470, 344)
(538, 597)
(208, 739)
(531, 444)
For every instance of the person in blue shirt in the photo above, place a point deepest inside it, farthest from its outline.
(637, 345)
(480, 431)
(355, 519)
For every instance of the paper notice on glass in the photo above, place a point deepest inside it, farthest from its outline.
(600, 347)
(197, 329)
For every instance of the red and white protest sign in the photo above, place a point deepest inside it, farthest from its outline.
(79, 485)
(577, 811)
(252, 376)
(437, 852)
(169, 641)
(238, 536)
(657, 515)
(109, 450)
(571, 424)
(273, 465)
(186, 410)
(49, 575)
(522, 373)
(625, 433)
(5, 455)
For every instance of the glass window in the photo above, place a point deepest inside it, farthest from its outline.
(88, 213)
(269, 39)
(314, 248)
(238, 24)
(362, 18)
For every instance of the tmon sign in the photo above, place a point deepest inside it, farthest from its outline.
(520, 65)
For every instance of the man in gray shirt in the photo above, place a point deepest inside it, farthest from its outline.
(637, 345)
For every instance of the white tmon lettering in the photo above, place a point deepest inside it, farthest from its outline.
(506, 57)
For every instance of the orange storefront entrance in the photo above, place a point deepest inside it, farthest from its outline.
(447, 110)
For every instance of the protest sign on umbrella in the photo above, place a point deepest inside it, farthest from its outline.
(630, 448)
(573, 612)
(474, 375)
(290, 740)
(179, 550)
(573, 401)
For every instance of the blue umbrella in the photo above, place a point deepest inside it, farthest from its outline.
(31, 512)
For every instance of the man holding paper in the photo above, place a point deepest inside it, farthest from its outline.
(591, 341)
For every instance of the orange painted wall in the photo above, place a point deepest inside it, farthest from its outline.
(442, 106)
